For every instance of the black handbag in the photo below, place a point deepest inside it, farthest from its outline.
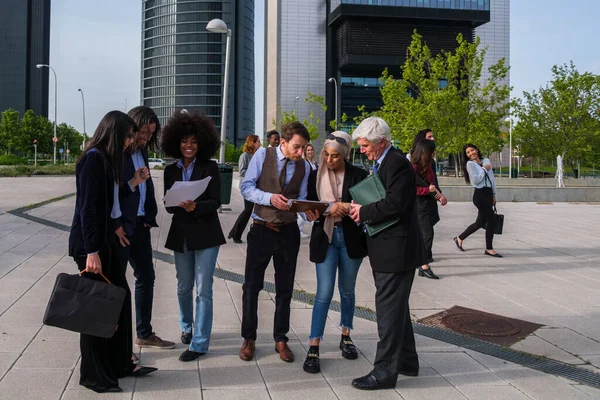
(499, 222)
(85, 305)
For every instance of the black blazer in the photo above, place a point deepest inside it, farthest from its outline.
(129, 200)
(201, 227)
(92, 228)
(353, 234)
(400, 247)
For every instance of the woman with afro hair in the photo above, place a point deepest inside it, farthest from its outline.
(195, 234)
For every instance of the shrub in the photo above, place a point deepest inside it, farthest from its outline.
(27, 170)
(11, 159)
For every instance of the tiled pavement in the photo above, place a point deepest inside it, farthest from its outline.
(550, 275)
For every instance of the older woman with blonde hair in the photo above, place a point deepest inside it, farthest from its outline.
(252, 144)
(337, 244)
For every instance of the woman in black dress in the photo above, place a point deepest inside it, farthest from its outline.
(93, 246)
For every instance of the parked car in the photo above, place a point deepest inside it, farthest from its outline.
(155, 162)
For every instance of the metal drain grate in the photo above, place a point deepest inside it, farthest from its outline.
(481, 325)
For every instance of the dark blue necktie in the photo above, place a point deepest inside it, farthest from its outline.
(375, 167)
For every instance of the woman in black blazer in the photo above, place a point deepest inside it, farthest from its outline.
(336, 244)
(93, 246)
(195, 234)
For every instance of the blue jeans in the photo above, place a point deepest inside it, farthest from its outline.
(196, 266)
(336, 259)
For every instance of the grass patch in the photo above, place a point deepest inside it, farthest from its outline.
(28, 170)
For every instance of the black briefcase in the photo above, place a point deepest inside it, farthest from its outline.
(85, 305)
(499, 222)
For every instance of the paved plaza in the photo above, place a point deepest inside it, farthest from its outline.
(550, 275)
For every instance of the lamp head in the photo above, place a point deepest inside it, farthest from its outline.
(79, 90)
(331, 80)
(297, 98)
(40, 66)
(217, 26)
(507, 119)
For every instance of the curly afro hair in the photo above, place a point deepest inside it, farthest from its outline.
(183, 124)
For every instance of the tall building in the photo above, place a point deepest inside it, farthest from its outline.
(183, 64)
(307, 42)
(496, 36)
(24, 42)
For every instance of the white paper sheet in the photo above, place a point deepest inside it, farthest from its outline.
(183, 191)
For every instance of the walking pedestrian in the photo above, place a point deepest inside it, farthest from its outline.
(479, 173)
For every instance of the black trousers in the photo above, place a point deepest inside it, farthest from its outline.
(396, 349)
(103, 361)
(264, 244)
(139, 255)
(426, 223)
(242, 220)
(484, 201)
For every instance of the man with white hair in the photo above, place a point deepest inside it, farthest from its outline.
(394, 254)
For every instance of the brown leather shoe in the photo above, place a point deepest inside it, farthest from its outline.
(247, 350)
(285, 353)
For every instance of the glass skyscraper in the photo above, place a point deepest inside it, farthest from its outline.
(24, 42)
(183, 64)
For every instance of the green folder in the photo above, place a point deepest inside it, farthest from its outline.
(367, 191)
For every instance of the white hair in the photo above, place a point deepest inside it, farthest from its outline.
(373, 129)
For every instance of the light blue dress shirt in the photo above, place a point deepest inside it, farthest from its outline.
(480, 177)
(186, 174)
(116, 208)
(138, 162)
(253, 194)
(382, 156)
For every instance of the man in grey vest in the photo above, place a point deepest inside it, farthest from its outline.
(274, 175)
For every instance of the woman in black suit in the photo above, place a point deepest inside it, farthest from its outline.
(195, 234)
(336, 243)
(93, 246)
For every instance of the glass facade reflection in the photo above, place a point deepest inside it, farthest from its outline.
(24, 42)
(449, 4)
(183, 63)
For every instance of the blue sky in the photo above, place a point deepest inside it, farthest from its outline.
(96, 46)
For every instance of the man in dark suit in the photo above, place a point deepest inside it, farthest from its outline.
(138, 215)
(394, 254)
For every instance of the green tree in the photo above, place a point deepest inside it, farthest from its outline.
(30, 130)
(10, 130)
(313, 120)
(562, 118)
(446, 93)
(69, 138)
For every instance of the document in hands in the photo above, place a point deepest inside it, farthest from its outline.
(184, 191)
(306, 205)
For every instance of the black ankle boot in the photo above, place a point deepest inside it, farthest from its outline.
(348, 349)
(311, 363)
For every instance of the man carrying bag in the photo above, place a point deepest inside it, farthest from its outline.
(394, 252)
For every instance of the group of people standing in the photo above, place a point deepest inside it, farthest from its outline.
(116, 208)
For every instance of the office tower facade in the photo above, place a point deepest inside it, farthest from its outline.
(353, 41)
(495, 35)
(183, 64)
(24, 42)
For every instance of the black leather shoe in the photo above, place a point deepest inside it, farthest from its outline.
(458, 245)
(189, 355)
(141, 371)
(407, 372)
(186, 338)
(369, 382)
(428, 273)
(487, 253)
(311, 363)
(101, 389)
(348, 349)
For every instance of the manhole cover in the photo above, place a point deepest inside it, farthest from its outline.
(480, 324)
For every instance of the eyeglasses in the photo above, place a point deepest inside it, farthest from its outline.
(331, 136)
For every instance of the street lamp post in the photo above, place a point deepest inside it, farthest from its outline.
(295, 102)
(55, 103)
(218, 26)
(509, 120)
(83, 103)
(336, 99)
